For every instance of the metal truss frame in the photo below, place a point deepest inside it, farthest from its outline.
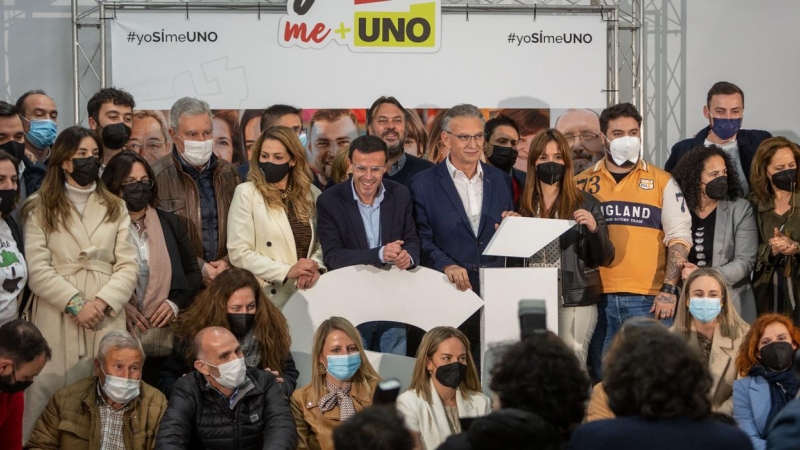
(624, 51)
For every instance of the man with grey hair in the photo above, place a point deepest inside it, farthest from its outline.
(112, 410)
(581, 127)
(458, 204)
(196, 185)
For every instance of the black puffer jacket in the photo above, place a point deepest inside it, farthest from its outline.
(582, 253)
(199, 417)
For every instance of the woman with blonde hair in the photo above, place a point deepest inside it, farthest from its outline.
(272, 221)
(444, 388)
(434, 150)
(342, 384)
(706, 317)
(82, 264)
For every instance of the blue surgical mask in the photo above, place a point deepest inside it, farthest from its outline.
(42, 133)
(704, 309)
(343, 367)
(303, 139)
(726, 128)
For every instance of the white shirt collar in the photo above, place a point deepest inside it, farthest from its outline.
(453, 171)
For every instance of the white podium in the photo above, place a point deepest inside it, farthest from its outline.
(503, 288)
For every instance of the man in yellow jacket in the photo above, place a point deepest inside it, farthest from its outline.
(113, 410)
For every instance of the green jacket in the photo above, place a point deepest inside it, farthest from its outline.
(72, 419)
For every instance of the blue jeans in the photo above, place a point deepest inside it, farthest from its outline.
(384, 337)
(612, 311)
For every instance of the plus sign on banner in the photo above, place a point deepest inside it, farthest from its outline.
(363, 25)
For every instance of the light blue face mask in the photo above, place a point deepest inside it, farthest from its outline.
(343, 367)
(42, 133)
(705, 309)
(303, 139)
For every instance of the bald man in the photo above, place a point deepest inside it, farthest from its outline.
(242, 407)
(581, 127)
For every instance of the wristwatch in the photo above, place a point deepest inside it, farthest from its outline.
(669, 289)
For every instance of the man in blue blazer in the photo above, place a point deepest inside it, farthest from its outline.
(369, 220)
(458, 203)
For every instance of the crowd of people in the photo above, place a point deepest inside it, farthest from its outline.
(146, 260)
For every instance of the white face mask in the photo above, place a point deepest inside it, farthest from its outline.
(120, 390)
(197, 153)
(231, 374)
(625, 149)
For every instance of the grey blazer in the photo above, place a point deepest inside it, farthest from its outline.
(735, 248)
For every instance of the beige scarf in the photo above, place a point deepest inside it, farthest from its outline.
(160, 268)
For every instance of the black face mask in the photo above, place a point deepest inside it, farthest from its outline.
(137, 195)
(785, 180)
(241, 323)
(9, 387)
(550, 172)
(116, 135)
(451, 375)
(717, 189)
(503, 157)
(777, 356)
(14, 149)
(85, 170)
(274, 173)
(7, 201)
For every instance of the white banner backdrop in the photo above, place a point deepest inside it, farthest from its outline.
(233, 60)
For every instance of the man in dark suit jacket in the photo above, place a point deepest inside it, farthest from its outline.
(368, 220)
(458, 203)
(724, 109)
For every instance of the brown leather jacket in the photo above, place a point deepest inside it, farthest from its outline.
(314, 427)
(72, 419)
(177, 193)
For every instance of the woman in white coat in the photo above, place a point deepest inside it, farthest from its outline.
(272, 226)
(444, 389)
(82, 266)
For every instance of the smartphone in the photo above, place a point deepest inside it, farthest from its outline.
(386, 392)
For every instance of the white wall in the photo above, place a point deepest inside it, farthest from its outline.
(690, 45)
(752, 44)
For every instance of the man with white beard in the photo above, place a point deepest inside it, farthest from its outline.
(386, 119)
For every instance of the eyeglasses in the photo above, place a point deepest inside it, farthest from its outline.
(361, 170)
(465, 138)
(299, 131)
(155, 145)
(147, 182)
(585, 137)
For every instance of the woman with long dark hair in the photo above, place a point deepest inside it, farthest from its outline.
(82, 267)
(169, 276)
(551, 193)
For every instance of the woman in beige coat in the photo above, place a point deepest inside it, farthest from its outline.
(706, 316)
(82, 265)
(272, 226)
